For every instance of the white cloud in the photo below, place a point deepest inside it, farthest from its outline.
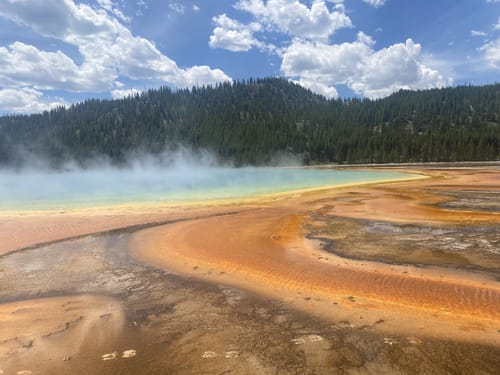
(497, 26)
(491, 52)
(112, 7)
(375, 3)
(141, 4)
(491, 49)
(365, 39)
(107, 48)
(478, 33)
(323, 62)
(176, 7)
(196, 8)
(373, 73)
(232, 35)
(26, 100)
(295, 18)
(319, 88)
(396, 67)
(26, 65)
(118, 93)
(201, 75)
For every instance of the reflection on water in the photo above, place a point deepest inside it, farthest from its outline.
(58, 190)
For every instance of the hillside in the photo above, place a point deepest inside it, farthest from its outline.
(253, 121)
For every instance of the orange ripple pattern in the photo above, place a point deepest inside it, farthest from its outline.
(267, 248)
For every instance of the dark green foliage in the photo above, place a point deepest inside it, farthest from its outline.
(253, 121)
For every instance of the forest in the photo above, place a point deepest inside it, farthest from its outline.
(252, 122)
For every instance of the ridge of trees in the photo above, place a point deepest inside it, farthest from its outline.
(250, 122)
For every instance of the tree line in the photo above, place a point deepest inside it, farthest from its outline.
(250, 122)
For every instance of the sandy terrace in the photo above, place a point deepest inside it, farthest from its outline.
(19, 230)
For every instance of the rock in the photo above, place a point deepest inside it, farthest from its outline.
(129, 353)
(414, 340)
(65, 359)
(28, 344)
(232, 354)
(298, 341)
(109, 356)
(209, 354)
(390, 341)
(314, 338)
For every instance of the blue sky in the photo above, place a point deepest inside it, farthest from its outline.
(58, 52)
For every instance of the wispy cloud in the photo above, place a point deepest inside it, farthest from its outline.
(375, 3)
(478, 33)
(176, 7)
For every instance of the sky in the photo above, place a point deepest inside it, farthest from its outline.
(59, 52)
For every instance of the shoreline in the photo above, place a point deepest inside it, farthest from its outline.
(148, 206)
(57, 225)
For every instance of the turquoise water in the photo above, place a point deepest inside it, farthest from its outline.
(89, 188)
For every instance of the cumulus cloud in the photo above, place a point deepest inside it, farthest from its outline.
(107, 48)
(372, 73)
(309, 58)
(124, 93)
(295, 18)
(25, 65)
(232, 35)
(200, 75)
(26, 100)
(375, 3)
(318, 87)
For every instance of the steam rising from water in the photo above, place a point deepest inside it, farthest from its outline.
(182, 176)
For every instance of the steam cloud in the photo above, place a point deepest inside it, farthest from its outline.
(173, 176)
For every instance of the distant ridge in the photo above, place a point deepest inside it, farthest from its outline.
(254, 122)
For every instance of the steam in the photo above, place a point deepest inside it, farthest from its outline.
(27, 161)
(286, 159)
(142, 177)
(168, 177)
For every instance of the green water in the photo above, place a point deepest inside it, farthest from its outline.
(90, 188)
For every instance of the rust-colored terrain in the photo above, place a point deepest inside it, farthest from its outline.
(398, 277)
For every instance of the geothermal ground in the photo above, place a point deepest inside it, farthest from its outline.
(398, 277)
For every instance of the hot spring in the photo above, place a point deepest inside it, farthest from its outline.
(42, 190)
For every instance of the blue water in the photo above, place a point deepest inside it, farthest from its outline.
(90, 188)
